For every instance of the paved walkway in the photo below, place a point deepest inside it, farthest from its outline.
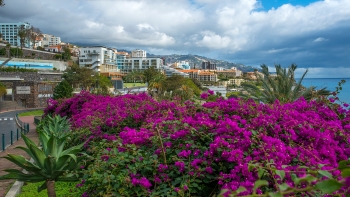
(5, 185)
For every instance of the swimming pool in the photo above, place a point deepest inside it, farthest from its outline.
(29, 65)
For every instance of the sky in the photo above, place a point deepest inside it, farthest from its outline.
(314, 34)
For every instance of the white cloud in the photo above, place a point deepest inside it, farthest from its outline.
(213, 41)
(235, 28)
(320, 39)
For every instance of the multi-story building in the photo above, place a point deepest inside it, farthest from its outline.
(9, 33)
(201, 75)
(127, 65)
(183, 65)
(99, 58)
(208, 66)
(169, 71)
(50, 40)
(138, 53)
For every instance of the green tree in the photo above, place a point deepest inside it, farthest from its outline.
(157, 84)
(2, 3)
(282, 86)
(52, 162)
(150, 73)
(2, 89)
(102, 85)
(173, 82)
(81, 76)
(66, 54)
(0, 36)
(16, 52)
(62, 90)
(40, 48)
(8, 49)
(22, 34)
(3, 51)
(194, 87)
(135, 76)
(57, 56)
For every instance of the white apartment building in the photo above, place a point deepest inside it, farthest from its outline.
(99, 58)
(127, 65)
(50, 40)
(9, 32)
(138, 53)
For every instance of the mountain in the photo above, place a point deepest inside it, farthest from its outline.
(196, 61)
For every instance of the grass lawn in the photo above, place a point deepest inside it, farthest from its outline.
(130, 85)
(62, 189)
(32, 113)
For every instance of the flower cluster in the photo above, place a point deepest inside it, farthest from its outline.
(195, 148)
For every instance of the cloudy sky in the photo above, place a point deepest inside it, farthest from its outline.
(314, 34)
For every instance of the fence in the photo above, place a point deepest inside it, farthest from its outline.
(10, 137)
(37, 120)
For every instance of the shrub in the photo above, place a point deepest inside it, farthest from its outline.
(147, 148)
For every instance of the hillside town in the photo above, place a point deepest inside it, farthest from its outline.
(25, 46)
(190, 98)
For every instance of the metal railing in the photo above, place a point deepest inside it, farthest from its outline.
(12, 136)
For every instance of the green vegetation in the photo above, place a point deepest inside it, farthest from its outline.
(62, 90)
(101, 85)
(32, 113)
(282, 87)
(52, 162)
(2, 89)
(130, 85)
(2, 51)
(66, 54)
(16, 69)
(135, 76)
(62, 189)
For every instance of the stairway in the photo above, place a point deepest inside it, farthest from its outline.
(9, 106)
(5, 62)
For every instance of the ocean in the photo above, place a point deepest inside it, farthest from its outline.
(330, 84)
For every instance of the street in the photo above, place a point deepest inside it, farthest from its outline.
(8, 124)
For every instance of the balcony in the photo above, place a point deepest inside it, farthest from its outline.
(93, 53)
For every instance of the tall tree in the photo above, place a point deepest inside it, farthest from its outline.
(150, 73)
(2, 89)
(157, 84)
(32, 34)
(0, 36)
(22, 34)
(82, 76)
(66, 53)
(2, 3)
(62, 90)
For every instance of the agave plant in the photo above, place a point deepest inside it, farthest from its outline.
(51, 162)
(57, 126)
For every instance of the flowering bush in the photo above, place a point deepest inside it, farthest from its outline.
(143, 147)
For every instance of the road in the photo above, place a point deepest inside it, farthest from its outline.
(8, 124)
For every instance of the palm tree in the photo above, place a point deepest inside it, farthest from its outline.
(22, 33)
(184, 92)
(157, 83)
(0, 36)
(282, 86)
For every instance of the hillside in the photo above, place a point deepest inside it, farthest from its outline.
(196, 61)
